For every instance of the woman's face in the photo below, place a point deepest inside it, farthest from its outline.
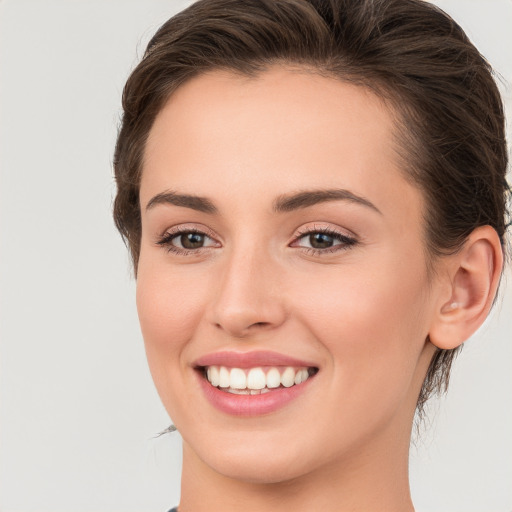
(280, 241)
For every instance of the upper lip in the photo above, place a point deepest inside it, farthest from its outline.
(234, 359)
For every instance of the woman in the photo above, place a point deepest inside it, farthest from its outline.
(314, 198)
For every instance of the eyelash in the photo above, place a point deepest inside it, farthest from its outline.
(166, 240)
(346, 241)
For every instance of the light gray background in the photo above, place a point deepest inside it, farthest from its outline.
(78, 411)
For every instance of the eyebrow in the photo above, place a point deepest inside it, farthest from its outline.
(284, 203)
(288, 203)
(201, 204)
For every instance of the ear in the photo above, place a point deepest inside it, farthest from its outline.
(470, 285)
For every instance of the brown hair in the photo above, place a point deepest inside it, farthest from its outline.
(450, 129)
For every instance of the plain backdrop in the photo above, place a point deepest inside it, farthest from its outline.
(78, 412)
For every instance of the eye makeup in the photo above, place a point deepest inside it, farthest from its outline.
(185, 241)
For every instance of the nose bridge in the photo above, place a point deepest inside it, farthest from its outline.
(247, 297)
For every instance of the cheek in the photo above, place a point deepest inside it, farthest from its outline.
(363, 303)
(169, 309)
(373, 325)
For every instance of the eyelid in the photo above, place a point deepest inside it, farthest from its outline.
(165, 239)
(324, 228)
(188, 227)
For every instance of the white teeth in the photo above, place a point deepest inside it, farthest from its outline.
(237, 378)
(273, 378)
(288, 377)
(301, 376)
(254, 381)
(213, 375)
(223, 377)
(238, 391)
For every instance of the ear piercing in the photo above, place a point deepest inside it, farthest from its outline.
(452, 306)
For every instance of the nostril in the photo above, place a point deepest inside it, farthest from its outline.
(243, 331)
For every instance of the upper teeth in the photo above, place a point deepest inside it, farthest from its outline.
(255, 378)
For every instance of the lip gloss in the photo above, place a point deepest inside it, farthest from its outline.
(247, 404)
(251, 359)
(251, 405)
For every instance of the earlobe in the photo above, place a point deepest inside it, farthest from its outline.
(474, 274)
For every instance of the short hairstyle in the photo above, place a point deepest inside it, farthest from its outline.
(450, 126)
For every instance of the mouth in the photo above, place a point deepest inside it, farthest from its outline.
(255, 381)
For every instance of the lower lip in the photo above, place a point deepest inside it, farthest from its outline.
(251, 405)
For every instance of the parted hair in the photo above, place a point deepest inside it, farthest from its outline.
(450, 126)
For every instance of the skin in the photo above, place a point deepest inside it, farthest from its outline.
(361, 312)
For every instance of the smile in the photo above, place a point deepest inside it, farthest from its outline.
(255, 381)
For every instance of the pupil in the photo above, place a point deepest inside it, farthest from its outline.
(320, 241)
(192, 240)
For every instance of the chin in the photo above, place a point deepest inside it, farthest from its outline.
(258, 466)
(257, 456)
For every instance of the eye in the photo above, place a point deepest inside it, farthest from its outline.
(189, 240)
(186, 241)
(325, 240)
(321, 241)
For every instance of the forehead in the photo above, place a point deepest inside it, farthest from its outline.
(282, 130)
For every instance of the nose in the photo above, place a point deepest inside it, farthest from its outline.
(249, 297)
